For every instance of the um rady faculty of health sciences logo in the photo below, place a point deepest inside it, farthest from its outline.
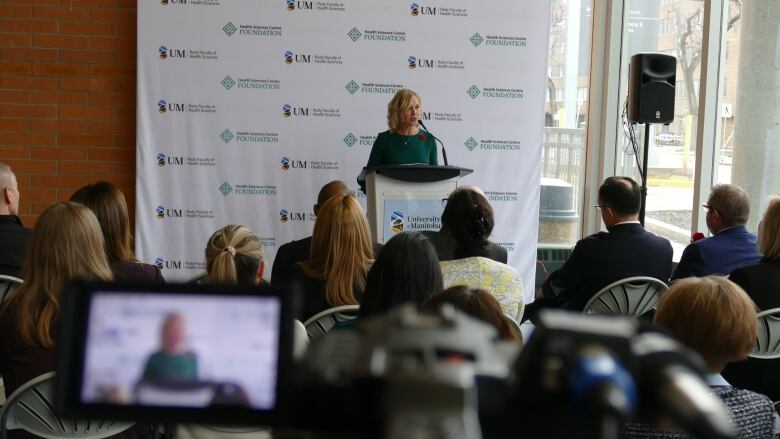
(251, 30)
(313, 6)
(166, 52)
(163, 212)
(505, 41)
(288, 215)
(425, 10)
(164, 160)
(291, 110)
(190, 2)
(291, 58)
(164, 106)
(287, 164)
(418, 63)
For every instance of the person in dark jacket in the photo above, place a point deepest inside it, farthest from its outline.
(13, 234)
(627, 250)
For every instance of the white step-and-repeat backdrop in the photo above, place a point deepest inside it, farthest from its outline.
(246, 108)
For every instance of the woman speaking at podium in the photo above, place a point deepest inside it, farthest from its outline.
(405, 142)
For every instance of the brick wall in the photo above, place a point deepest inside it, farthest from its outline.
(67, 97)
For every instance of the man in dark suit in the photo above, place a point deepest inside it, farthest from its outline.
(731, 246)
(445, 245)
(13, 235)
(598, 260)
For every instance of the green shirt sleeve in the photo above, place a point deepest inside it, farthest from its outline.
(378, 151)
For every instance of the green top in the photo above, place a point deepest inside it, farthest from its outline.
(162, 367)
(395, 149)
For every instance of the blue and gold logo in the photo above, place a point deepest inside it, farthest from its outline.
(160, 263)
(290, 5)
(283, 215)
(287, 110)
(162, 106)
(288, 57)
(159, 213)
(412, 62)
(285, 161)
(161, 160)
(163, 52)
(415, 9)
(397, 221)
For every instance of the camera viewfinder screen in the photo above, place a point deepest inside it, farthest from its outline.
(183, 351)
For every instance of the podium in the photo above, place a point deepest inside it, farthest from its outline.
(407, 197)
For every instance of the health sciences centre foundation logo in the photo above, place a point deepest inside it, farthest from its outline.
(250, 83)
(251, 30)
(503, 41)
(493, 144)
(249, 136)
(247, 190)
(361, 140)
(373, 35)
(496, 93)
(353, 87)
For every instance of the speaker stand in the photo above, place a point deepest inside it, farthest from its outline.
(643, 174)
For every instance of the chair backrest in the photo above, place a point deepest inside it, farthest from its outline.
(768, 336)
(30, 408)
(7, 285)
(631, 296)
(515, 325)
(321, 323)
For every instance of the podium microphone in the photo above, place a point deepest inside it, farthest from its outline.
(443, 151)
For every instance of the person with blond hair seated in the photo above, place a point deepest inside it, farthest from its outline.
(65, 244)
(108, 204)
(761, 282)
(234, 255)
(341, 254)
(716, 318)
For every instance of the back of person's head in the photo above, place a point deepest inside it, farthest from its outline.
(331, 189)
(769, 230)
(469, 218)
(234, 255)
(406, 270)
(712, 315)
(477, 303)
(731, 203)
(621, 194)
(66, 244)
(341, 252)
(9, 191)
(108, 204)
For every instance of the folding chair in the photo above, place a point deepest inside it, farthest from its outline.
(321, 323)
(631, 296)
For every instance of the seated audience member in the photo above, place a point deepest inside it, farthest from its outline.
(234, 255)
(13, 235)
(66, 244)
(293, 252)
(340, 256)
(445, 243)
(108, 204)
(469, 220)
(406, 271)
(762, 283)
(714, 317)
(627, 250)
(477, 303)
(731, 246)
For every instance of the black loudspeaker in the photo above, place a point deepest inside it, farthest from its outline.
(651, 80)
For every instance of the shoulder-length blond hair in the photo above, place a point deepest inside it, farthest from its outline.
(66, 244)
(108, 204)
(402, 101)
(341, 252)
(233, 255)
(769, 230)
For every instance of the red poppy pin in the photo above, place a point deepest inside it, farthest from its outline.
(421, 137)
